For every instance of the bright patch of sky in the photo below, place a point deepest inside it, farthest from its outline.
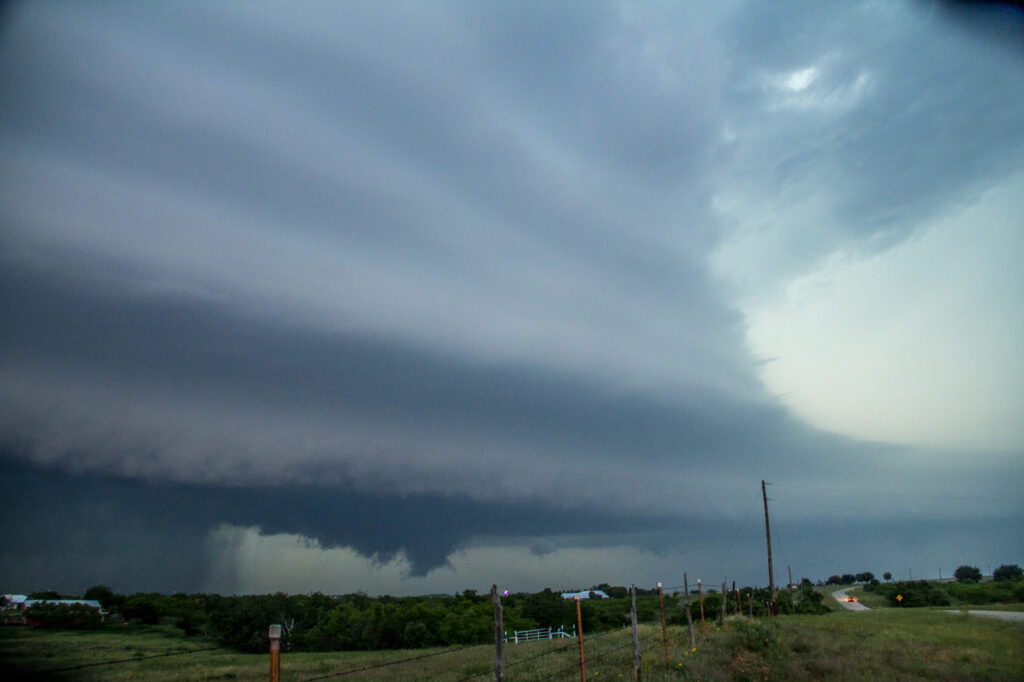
(918, 344)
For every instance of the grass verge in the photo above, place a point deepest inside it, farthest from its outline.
(906, 644)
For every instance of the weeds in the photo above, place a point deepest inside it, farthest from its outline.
(908, 644)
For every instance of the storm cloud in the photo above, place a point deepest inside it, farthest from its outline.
(438, 283)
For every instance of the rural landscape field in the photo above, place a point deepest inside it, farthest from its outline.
(454, 340)
(814, 637)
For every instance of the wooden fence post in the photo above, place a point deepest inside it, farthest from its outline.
(636, 637)
(579, 631)
(664, 628)
(275, 653)
(725, 596)
(499, 634)
(700, 598)
(689, 616)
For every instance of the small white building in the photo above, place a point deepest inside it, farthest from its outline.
(585, 594)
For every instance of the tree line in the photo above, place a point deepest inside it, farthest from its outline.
(319, 622)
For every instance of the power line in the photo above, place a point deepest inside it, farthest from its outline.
(888, 494)
(830, 505)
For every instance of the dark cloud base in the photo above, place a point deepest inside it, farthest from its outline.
(147, 535)
(67, 532)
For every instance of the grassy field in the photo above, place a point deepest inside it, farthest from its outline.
(909, 644)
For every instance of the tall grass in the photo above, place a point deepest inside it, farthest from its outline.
(906, 644)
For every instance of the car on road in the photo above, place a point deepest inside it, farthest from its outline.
(851, 599)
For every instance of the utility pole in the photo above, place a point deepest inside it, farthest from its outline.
(768, 536)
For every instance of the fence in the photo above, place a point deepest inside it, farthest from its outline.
(567, 660)
(540, 634)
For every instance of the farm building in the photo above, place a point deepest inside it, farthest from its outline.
(585, 594)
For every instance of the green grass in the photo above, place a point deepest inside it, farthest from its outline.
(985, 607)
(908, 644)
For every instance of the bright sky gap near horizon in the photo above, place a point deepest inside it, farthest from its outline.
(415, 297)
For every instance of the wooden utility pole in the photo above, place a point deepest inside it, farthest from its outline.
(499, 634)
(768, 536)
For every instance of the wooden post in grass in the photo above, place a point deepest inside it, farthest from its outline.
(664, 628)
(700, 598)
(499, 634)
(579, 632)
(275, 653)
(725, 594)
(636, 637)
(689, 616)
(750, 602)
(739, 604)
(792, 603)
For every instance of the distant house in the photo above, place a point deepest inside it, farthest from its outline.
(91, 603)
(16, 606)
(585, 594)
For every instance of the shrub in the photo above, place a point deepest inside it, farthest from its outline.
(754, 634)
(982, 593)
(909, 594)
(72, 616)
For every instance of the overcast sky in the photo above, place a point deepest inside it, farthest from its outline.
(416, 297)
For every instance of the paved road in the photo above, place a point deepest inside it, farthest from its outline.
(840, 596)
(1002, 615)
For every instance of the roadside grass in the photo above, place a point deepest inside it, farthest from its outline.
(987, 607)
(906, 644)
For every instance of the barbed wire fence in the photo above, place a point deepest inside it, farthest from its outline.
(600, 647)
(119, 661)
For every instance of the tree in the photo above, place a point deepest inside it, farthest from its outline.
(77, 616)
(967, 574)
(887, 575)
(1008, 572)
(834, 580)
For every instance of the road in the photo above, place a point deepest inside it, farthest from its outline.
(840, 596)
(1002, 615)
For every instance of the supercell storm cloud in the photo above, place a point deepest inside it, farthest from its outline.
(453, 293)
